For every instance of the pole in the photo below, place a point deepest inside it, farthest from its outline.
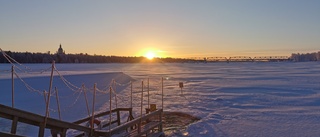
(12, 80)
(85, 96)
(110, 98)
(141, 98)
(94, 100)
(162, 91)
(58, 103)
(42, 125)
(50, 87)
(148, 94)
(131, 93)
(45, 96)
(139, 125)
(49, 94)
(114, 90)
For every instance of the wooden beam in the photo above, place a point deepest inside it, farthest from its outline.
(2, 134)
(37, 120)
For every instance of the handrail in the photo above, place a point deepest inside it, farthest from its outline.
(37, 120)
(102, 114)
(131, 123)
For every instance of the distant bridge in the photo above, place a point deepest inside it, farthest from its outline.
(242, 59)
(271, 58)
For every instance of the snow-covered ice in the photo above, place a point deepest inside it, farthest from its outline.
(232, 99)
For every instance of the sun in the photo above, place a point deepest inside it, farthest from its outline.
(150, 55)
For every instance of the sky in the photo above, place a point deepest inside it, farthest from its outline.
(168, 28)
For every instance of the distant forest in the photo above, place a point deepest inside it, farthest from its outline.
(27, 57)
(297, 57)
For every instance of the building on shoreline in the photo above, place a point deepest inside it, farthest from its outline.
(60, 50)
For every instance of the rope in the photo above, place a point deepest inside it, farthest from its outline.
(68, 107)
(26, 68)
(27, 85)
(66, 82)
(120, 84)
(5, 70)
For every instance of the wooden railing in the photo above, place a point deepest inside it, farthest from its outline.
(17, 115)
(144, 125)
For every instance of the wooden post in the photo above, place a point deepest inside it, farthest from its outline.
(141, 99)
(45, 97)
(41, 130)
(139, 125)
(161, 114)
(110, 118)
(58, 103)
(63, 133)
(49, 94)
(85, 96)
(114, 90)
(148, 94)
(131, 94)
(160, 118)
(94, 100)
(130, 113)
(115, 93)
(12, 72)
(42, 127)
(162, 90)
(14, 125)
(181, 86)
(118, 117)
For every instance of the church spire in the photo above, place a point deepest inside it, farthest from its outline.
(60, 50)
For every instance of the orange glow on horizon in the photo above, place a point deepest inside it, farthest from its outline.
(150, 55)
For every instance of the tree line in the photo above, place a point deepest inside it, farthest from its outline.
(302, 57)
(27, 57)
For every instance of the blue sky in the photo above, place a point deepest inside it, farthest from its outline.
(184, 28)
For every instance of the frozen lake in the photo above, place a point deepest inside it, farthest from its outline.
(232, 99)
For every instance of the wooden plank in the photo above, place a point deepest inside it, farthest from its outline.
(21, 113)
(3, 134)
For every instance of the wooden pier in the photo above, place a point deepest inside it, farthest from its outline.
(149, 125)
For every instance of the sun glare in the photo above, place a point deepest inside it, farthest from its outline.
(150, 55)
